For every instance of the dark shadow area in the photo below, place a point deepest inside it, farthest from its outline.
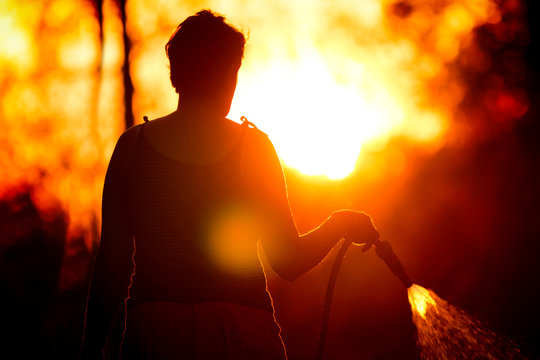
(73, 292)
(31, 252)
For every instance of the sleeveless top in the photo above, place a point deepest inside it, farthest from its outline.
(195, 236)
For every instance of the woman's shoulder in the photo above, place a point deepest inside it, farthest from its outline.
(127, 141)
(255, 136)
(125, 146)
(259, 150)
(130, 134)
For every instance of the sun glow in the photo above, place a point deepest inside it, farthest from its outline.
(317, 124)
(328, 82)
(332, 82)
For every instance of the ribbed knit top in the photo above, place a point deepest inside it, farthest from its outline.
(194, 237)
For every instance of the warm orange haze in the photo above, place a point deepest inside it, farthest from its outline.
(331, 84)
(420, 112)
(326, 79)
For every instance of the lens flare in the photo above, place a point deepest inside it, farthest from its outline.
(231, 245)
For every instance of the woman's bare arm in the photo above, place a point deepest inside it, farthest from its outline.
(289, 253)
(113, 265)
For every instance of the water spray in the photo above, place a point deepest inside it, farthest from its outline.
(444, 331)
(385, 252)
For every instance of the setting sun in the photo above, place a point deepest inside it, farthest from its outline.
(343, 81)
(317, 125)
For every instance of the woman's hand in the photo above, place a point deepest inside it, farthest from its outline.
(357, 227)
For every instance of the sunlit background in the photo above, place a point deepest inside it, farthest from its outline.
(421, 112)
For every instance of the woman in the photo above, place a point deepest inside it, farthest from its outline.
(193, 192)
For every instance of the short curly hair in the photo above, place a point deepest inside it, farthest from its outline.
(202, 51)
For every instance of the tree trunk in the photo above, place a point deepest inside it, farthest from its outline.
(128, 84)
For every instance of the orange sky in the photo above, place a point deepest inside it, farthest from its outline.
(332, 85)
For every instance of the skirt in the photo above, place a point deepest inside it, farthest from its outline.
(201, 331)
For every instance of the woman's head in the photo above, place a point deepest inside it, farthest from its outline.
(205, 54)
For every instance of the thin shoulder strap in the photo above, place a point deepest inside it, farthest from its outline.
(248, 123)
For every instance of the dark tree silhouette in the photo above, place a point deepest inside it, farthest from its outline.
(126, 76)
(128, 84)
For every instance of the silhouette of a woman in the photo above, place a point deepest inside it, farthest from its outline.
(186, 199)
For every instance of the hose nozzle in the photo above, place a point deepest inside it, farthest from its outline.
(385, 252)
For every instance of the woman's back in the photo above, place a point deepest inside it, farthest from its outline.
(184, 215)
(193, 140)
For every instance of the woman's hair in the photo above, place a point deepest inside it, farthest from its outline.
(202, 52)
